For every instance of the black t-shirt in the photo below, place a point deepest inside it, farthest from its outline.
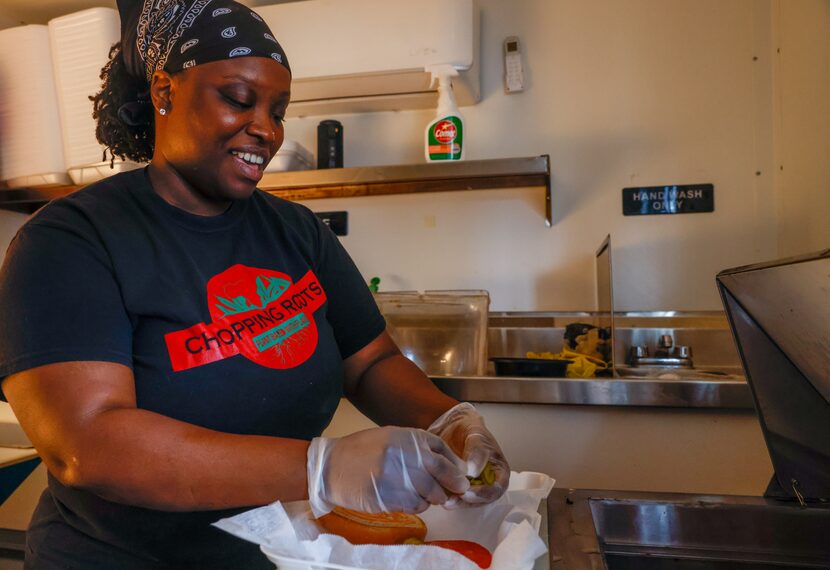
(238, 322)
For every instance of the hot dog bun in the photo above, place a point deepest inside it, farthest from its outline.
(365, 528)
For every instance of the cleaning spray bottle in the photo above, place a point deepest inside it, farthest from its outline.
(444, 137)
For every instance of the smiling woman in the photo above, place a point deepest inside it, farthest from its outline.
(221, 127)
(205, 102)
(174, 341)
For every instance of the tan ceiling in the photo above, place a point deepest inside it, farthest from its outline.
(14, 12)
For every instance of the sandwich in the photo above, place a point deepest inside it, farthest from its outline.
(378, 528)
(394, 528)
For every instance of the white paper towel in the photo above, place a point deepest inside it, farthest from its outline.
(509, 528)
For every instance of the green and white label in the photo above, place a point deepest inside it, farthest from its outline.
(445, 139)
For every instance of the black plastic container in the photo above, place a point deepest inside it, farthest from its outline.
(330, 144)
(537, 367)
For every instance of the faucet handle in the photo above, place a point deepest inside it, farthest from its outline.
(684, 351)
(635, 353)
(639, 352)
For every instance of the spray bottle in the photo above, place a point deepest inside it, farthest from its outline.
(444, 137)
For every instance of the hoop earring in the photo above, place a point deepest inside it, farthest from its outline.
(162, 111)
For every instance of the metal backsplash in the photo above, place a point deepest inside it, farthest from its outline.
(514, 334)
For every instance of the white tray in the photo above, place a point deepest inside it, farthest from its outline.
(526, 491)
(291, 156)
(83, 175)
(285, 563)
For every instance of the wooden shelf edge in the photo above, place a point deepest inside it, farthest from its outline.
(360, 181)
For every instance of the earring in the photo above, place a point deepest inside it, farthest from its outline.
(162, 111)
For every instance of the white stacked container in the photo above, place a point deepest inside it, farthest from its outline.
(31, 153)
(80, 48)
(291, 156)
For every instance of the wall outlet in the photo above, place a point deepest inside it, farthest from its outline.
(337, 221)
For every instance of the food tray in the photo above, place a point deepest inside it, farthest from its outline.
(508, 528)
(285, 563)
(536, 367)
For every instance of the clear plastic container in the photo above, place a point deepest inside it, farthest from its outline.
(443, 332)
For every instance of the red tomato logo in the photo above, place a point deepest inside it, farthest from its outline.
(254, 296)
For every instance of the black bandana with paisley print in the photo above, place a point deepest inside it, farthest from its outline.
(177, 34)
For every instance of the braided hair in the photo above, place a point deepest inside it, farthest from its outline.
(129, 135)
(122, 109)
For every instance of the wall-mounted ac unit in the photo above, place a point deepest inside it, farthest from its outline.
(372, 55)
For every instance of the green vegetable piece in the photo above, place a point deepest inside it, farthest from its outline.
(486, 477)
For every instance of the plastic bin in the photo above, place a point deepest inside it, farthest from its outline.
(443, 332)
(30, 135)
(81, 43)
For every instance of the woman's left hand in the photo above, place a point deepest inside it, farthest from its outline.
(462, 428)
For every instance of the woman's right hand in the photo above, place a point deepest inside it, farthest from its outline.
(388, 469)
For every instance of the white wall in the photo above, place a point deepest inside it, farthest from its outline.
(641, 92)
(718, 452)
(803, 124)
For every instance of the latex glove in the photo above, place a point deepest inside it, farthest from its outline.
(462, 427)
(385, 469)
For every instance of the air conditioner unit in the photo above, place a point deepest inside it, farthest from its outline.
(372, 55)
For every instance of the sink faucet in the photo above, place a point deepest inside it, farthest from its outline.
(666, 355)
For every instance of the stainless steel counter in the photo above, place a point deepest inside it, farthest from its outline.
(715, 382)
(682, 393)
(594, 529)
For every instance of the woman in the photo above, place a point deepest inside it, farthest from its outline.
(173, 341)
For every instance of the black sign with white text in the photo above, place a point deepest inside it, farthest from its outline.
(679, 199)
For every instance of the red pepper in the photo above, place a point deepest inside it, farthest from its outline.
(471, 550)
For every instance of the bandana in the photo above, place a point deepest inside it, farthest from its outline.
(178, 34)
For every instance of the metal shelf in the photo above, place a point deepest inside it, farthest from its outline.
(361, 181)
(28, 200)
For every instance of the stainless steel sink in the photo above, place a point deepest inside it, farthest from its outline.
(780, 319)
(594, 529)
(744, 533)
